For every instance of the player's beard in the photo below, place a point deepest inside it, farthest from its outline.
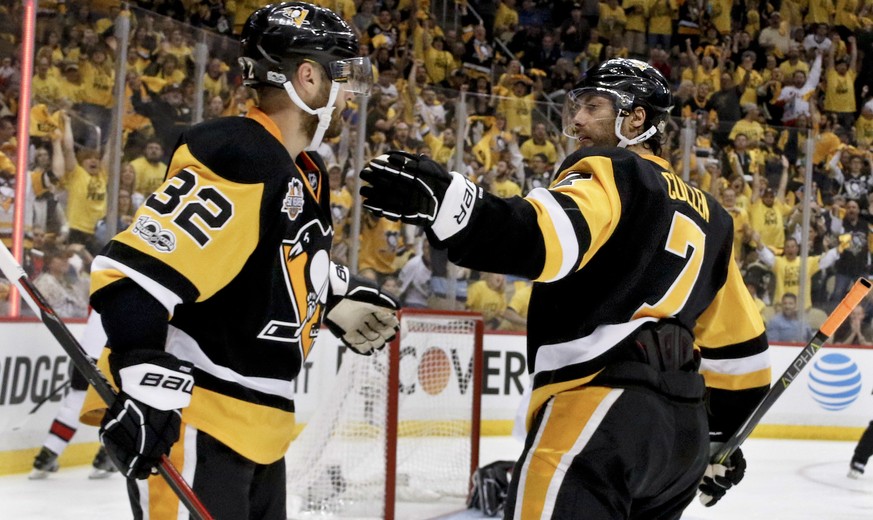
(310, 122)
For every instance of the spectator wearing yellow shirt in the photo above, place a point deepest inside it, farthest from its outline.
(488, 296)
(505, 20)
(515, 315)
(502, 182)
(636, 12)
(345, 8)
(215, 78)
(539, 143)
(176, 46)
(749, 125)
(767, 212)
(169, 69)
(819, 12)
(46, 88)
(494, 141)
(864, 126)
(720, 15)
(746, 68)
(706, 69)
(794, 63)
(438, 62)
(442, 146)
(71, 84)
(149, 167)
(341, 201)
(519, 104)
(381, 248)
(840, 91)
(612, 20)
(98, 82)
(661, 14)
(846, 17)
(742, 229)
(786, 269)
(85, 180)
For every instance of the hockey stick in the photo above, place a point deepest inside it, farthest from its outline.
(832, 323)
(37, 303)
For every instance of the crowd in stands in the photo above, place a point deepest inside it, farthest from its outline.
(752, 80)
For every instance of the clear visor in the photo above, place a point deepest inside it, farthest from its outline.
(354, 74)
(577, 99)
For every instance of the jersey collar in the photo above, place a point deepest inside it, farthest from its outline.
(258, 115)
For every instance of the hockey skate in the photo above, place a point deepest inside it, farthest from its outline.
(103, 466)
(46, 462)
(856, 469)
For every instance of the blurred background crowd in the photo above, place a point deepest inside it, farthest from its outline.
(772, 116)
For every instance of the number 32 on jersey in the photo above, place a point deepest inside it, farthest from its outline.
(197, 211)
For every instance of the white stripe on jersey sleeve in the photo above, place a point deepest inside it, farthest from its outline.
(745, 365)
(166, 297)
(183, 346)
(567, 238)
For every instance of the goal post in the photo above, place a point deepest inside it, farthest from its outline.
(397, 436)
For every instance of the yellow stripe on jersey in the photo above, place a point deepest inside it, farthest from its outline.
(163, 503)
(554, 225)
(602, 219)
(732, 317)
(196, 261)
(259, 433)
(104, 277)
(588, 183)
(558, 443)
(541, 395)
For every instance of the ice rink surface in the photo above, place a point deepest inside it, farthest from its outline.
(786, 480)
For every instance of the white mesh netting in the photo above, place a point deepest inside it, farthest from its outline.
(337, 466)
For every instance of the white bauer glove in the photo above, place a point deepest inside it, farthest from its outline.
(718, 478)
(358, 313)
(144, 421)
(416, 190)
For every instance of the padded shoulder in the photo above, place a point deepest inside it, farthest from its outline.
(238, 148)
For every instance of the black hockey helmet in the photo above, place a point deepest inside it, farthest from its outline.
(630, 83)
(276, 37)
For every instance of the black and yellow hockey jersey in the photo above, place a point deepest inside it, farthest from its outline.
(617, 241)
(235, 244)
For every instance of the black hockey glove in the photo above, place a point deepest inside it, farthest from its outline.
(490, 486)
(417, 190)
(718, 478)
(143, 423)
(358, 313)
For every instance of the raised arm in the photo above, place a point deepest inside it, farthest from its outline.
(67, 145)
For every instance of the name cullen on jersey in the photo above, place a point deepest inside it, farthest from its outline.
(678, 190)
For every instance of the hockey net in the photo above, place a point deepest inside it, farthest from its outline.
(398, 435)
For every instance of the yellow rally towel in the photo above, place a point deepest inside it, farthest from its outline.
(42, 122)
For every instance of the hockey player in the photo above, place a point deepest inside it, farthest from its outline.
(636, 296)
(66, 421)
(214, 296)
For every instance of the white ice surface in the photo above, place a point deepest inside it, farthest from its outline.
(786, 480)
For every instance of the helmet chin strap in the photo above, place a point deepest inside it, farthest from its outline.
(624, 142)
(324, 113)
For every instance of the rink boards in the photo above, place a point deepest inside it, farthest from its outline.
(830, 399)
